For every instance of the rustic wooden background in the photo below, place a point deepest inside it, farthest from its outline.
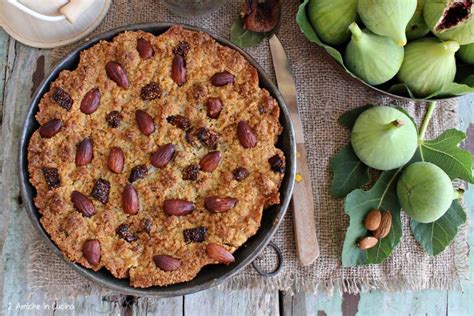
(22, 69)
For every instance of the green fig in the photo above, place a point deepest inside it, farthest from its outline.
(331, 18)
(428, 65)
(373, 58)
(387, 17)
(425, 191)
(417, 27)
(451, 20)
(466, 54)
(384, 138)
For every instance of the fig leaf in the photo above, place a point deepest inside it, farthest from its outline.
(436, 236)
(349, 173)
(444, 152)
(358, 203)
(348, 118)
(245, 38)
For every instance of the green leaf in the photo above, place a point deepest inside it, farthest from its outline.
(448, 90)
(358, 203)
(349, 172)
(245, 38)
(348, 119)
(401, 89)
(452, 89)
(435, 237)
(444, 152)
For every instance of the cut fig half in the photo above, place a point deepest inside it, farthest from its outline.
(261, 15)
(456, 13)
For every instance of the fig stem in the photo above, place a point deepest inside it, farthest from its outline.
(458, 194)
(397, 123)
(356, 31)
(426, 120)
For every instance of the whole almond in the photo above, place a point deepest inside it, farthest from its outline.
(115, 160)
(385, 225)
(219, 253)
(178, 70)
(91, 251)
(144, 48)
(166, 263)
(90, 101)
(145, 122)
(178, 207)
(214, 107)
(50, 128)
(163, 155)
(82, 204)
(367, 243)
(246, 135)
(210, 161)
(219, 204)
(84, 152)
(222, 78)
(372, 220)
(115, 72)
(130, 203)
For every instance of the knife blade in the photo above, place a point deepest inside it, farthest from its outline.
(307, 245)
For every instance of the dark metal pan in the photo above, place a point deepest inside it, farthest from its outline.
(210, 275)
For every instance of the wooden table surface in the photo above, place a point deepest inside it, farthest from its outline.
(22, 69)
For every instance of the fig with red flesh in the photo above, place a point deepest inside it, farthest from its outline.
(261, 15)
(451, 19)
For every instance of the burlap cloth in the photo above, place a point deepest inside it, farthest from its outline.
(324, 93)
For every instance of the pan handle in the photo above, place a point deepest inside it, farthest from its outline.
(279, 264)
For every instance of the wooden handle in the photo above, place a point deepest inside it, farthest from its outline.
(307, 244)
(74, 8)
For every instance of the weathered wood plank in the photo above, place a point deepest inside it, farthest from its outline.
(4, 43)
(15, 104)
(165, 307)
(460, 302)
(245, 302)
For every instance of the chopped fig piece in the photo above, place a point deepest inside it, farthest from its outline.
(137, 173)
(51, 176)
(124, 233)
(181, 49)
(261, 16)
(191, 172)
(62, 98)
(207, 137)
(150, 91)
(101, 190)
(197, 234)
(277, 164)
(179, 121)
(113, 119)
(240, 173)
